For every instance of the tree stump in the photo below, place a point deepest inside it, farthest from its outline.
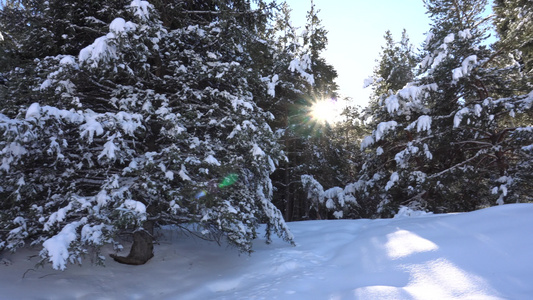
(141, 250)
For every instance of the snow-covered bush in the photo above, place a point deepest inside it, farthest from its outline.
(335, 202)
(406, 211)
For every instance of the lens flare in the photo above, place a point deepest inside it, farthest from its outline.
(200, 194)
(230, 179)
(212, 187)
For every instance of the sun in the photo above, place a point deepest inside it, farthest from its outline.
(326, 111)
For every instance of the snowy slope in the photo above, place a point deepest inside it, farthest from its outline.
(486, 254)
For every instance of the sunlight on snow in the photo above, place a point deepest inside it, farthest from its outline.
(441, 279)
(436, 279)
(224, 285)
(403, 243)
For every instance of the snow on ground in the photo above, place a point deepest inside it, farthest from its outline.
(486, 254)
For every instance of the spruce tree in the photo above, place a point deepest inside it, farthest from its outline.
(154, 121)
(451, 139)
(301, 78)
(395, 68)
(514, 25)
(287, 86)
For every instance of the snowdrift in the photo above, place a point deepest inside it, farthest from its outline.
(486, 254)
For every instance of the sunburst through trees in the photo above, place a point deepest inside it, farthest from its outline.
(326, 111)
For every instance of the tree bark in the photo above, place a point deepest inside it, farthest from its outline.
(288, 202)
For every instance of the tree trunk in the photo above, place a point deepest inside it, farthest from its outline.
(142, 248)
(288, 202)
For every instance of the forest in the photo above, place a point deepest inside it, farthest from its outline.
(118, 117)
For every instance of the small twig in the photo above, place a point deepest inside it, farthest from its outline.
(47, 275)
(23, 275)
(202, 237)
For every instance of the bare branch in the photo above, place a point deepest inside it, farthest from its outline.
(458, 165)
(214, 12)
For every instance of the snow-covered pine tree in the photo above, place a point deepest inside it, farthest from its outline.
(514, 62)
(34, 29)
(463, 139)
(154, 121)
(326, 145)
(301, 78)
(315, 41)
(395, 68)
(289, 79)
(514, 25)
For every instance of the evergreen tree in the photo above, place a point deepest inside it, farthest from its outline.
(336, 149)
(34, 30)
(155, 121)
(514, 25)
(315, 40)
(396, 66)
(301, 77)
(394, 70)
(288, 80)
(514, 60)
(451, 141)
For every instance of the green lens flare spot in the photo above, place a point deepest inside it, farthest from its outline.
(230, 179)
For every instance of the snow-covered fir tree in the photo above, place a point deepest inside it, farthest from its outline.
(514, 25)
(395, 68)
(302, 77)
(453, 140)
(291, 78)
(456, 137)
(145, 114)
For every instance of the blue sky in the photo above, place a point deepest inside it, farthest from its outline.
(356, 29)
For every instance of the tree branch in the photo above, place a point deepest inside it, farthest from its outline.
(458, 165)
(214, 12)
